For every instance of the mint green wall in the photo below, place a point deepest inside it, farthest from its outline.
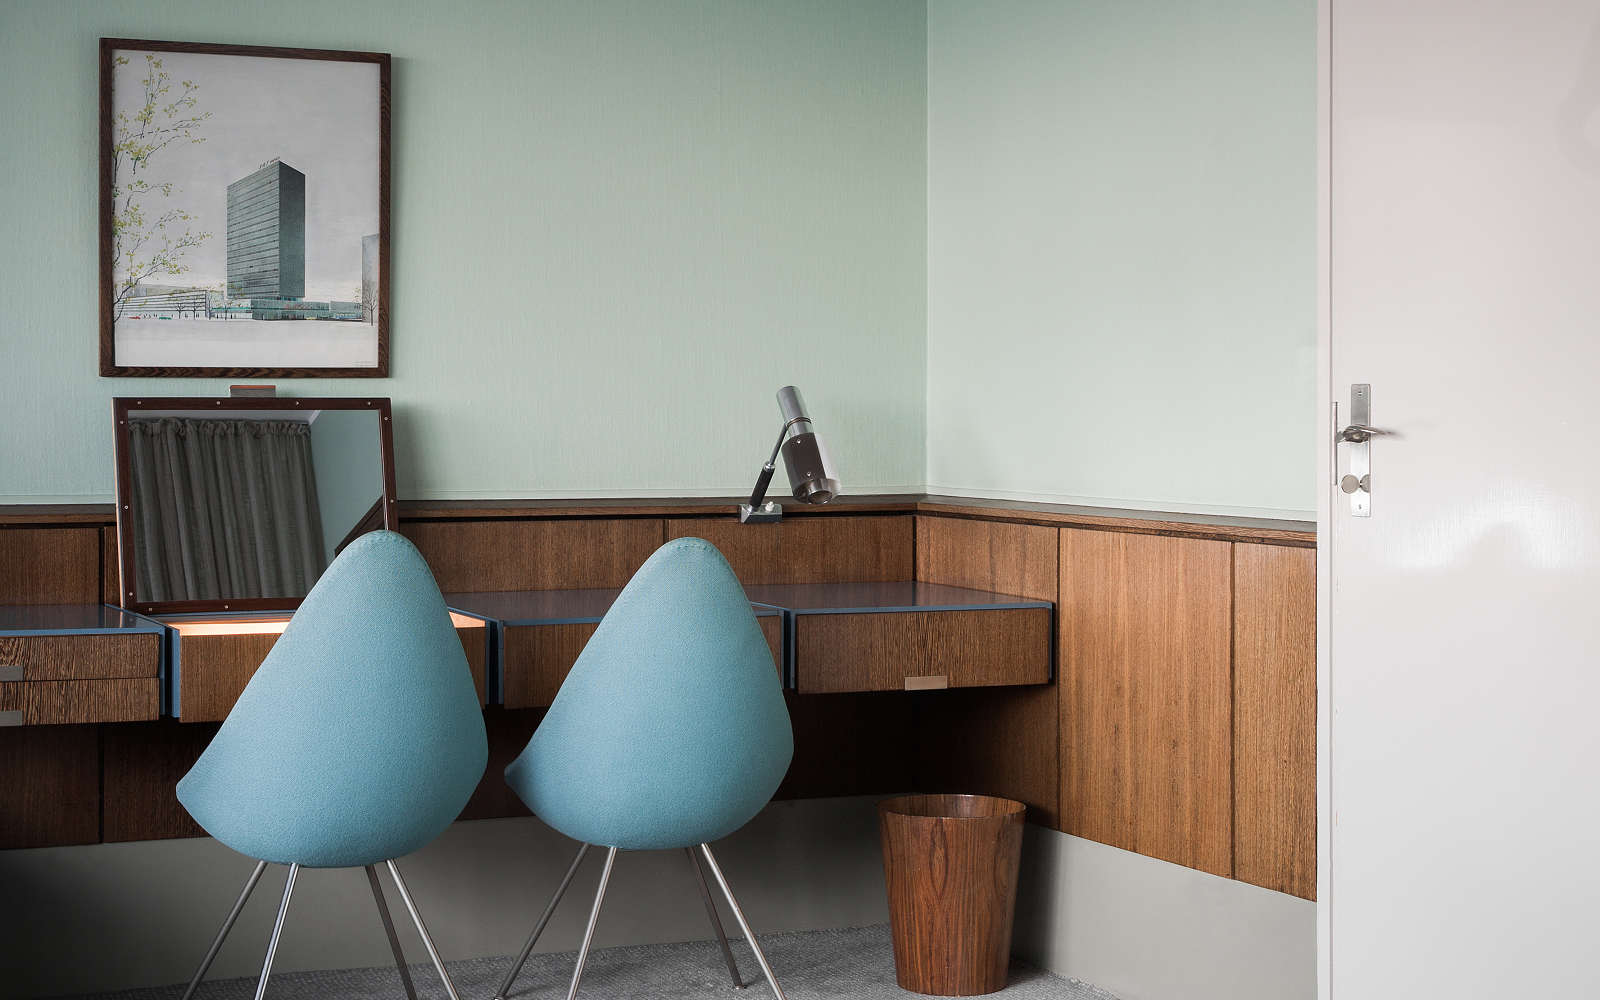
(619, 228)
(1122, 251)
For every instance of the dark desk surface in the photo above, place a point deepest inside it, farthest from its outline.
(859, 598)
(70, 619)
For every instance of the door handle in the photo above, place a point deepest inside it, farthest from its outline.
(1358, 435)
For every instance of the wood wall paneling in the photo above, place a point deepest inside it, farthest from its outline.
(49, 786)
(1018, 559)
(850, 744)
(488, 556)
(143, 763)
(809, 549)
(991, 741)
(49, 566)
(1275, 718)
(110, 571)
(878, 651)
(1146, 695)
(1001, 741)
(509, 731)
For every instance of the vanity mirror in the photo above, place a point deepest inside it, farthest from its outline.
(239, 504)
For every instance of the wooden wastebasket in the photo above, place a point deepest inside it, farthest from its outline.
(950, 863)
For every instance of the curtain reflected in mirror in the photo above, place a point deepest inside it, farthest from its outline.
(248, 505)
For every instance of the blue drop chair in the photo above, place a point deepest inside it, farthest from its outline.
(669, 732)
(358, 740)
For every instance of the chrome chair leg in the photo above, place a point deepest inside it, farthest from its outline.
(277, 932)
(388, 928)
(227, 925)
(422, 929)
(527, 949)
(594, 918)
(744, 924)
(716, 921)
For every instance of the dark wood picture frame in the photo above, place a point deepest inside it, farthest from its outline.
(388, 518)
(108, 365)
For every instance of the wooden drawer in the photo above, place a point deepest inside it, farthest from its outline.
(55, 702)
(79, 657)
(214, 669)
(537, 658)
(890, 651)
(57, 679)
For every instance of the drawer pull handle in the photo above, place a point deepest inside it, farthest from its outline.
(934, 682)
(11, 718)
(10, 671)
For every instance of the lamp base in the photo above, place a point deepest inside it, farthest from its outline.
(767, 513)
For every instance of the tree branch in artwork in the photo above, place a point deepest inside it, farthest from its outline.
(146, 244)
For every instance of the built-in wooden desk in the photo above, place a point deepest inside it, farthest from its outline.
(65, 663)
(1182, 723)
(538, 634)
(908, 636)
(213, 657)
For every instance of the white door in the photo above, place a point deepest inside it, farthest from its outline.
(1463, 624)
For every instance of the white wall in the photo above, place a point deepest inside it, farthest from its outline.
(618, 228)
(1121, 252)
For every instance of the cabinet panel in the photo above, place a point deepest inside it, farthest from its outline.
(49, 565)
(214, 669)
(486, 556)
(879, 651)
(49, 786)
(809, 549)
(143, 763)
(1145, 688)
(1275, 718)
(537, 658)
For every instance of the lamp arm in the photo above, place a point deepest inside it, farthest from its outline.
(758, 496)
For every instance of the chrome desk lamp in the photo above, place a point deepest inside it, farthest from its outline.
(805, 456)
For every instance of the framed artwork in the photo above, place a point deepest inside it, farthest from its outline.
(244, 211)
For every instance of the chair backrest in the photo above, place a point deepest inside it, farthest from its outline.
(671, 728)
(360, 738)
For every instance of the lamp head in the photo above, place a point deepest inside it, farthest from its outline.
(812, 475)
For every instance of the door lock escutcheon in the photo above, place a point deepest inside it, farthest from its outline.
(1357, 482)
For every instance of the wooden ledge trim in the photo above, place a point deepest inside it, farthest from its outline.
(1267, 531)
(47, 514)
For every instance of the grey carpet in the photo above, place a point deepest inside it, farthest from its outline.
(853, 962)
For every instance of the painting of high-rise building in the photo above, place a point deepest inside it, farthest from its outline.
(244, 211)
(267, 234)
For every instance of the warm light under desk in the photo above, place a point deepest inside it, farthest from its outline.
(269, 626)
